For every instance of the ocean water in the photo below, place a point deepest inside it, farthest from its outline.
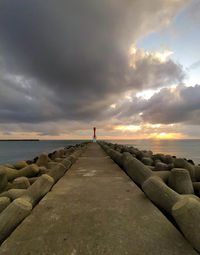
(189, 149)
(13, 151)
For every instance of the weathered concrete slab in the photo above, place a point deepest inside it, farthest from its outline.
(96, 209)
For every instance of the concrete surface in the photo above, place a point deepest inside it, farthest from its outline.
(96, 209)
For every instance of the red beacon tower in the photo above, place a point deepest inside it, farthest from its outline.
(94, 137)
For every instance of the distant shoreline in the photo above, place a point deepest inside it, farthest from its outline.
(19, 140)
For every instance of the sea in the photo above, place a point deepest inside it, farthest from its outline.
(13, 151)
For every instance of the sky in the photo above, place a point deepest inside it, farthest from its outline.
(129, 68)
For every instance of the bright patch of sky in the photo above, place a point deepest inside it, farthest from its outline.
(183, 38)
(147, 94)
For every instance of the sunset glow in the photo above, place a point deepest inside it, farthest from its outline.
(162, 56)
(132, 128)
(138, 54)
(113, 106)
(153, 125)
(166, 136)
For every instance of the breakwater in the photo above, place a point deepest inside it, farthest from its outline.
(19, 140)
(23, 184)
(172, 184)
(95, 208)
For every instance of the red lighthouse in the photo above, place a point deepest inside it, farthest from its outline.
(94, 137)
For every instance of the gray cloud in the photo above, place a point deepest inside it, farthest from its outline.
(69, 60)
(180, 105)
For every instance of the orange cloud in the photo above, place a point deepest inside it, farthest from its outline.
(137, 54)
(133, 128)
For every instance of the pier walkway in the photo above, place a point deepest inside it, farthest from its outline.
(95, 209)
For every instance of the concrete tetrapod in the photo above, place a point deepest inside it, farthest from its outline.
(105, 148)
(197, 173)
(57, 172)
(74, 156)
(67, 163)
(58, 160)
(4, 202)
(32, 180)
(196, 186)
(186, 213)
(3, 179)
(147, 161)
(10, 166)
(168, 159)
(42, 170)
(147, 154)
(160, 166)
(57, 154)
(162, 195)
(38, 189)
(10, 186)
(51, 165)
(68, 151)
(21, 183)
(21, 164)
(13, 193)
(12, 216)
(164, 175)
(116, 156)
(158, 192)
(29, 171)
(43, 160)
(180, 181)
(62, 153)
(182, 163)
(136, 169)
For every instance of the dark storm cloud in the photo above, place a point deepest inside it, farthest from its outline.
(67, 46)
(180, 105)
(69, 59)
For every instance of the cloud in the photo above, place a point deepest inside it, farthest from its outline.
(193, 15)
(168, 106)
(153, 70)
(69, 60)
(174, 106)
(193, 66)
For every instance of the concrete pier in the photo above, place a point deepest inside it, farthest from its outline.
(96, 209)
